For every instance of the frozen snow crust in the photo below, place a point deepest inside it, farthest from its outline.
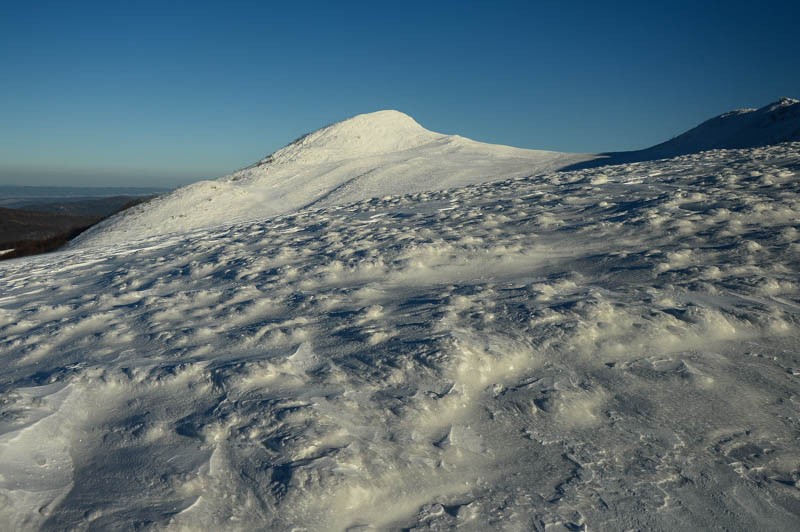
(606, 349)
(371, 155)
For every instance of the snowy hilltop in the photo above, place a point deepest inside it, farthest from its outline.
(371, 155)
(388, 153)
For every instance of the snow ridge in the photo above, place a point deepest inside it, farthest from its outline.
(746, 128)
(773, 123)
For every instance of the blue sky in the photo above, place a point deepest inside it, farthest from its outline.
(161, 93)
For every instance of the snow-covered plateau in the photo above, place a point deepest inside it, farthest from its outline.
(614, 348)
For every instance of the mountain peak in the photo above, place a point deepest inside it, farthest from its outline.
(385, 118)
(781, 103)
(773, 123)
(363, 135)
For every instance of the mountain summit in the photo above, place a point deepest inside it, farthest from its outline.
(370, 155)
(363, 135)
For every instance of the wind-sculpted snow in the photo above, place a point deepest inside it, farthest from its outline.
(606, 349)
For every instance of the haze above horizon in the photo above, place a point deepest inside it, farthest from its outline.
(159, 94)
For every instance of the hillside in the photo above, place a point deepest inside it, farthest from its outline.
(607, 349)
(388, 153)
(744, 128)
(372, 155)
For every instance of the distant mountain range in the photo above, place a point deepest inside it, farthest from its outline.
(101, 207)
(25, 197)
(389, 153)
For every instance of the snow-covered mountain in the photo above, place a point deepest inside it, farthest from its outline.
(607, 349)
(371, 155)
(744, 128)
(613, 348)
(388, 153)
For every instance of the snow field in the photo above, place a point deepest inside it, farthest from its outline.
(612, 349)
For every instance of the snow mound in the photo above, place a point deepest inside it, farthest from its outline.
(367, 156)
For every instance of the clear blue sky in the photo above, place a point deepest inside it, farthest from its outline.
(143, 93)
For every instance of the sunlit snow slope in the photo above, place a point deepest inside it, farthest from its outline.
(371, 155)
(606, 349)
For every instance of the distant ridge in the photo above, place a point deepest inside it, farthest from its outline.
(23, 196)
(744, 128)
(774, 123)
